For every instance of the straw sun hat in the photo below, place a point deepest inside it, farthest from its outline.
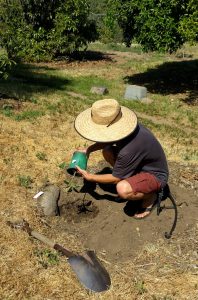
(106, 121)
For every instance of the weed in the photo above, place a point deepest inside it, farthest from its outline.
(41, 156)
(25, 181)
(46, 257)
(139, 285)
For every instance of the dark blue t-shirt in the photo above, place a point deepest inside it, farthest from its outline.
(141, 152)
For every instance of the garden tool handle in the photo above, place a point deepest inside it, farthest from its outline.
(50, 243)
(42, 238)
(63, 250)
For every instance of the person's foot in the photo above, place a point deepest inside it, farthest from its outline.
(146, 208)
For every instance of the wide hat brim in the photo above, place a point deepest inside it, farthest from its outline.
(88, 129)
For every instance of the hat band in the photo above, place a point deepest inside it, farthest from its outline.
(116, 118)
(119, 114)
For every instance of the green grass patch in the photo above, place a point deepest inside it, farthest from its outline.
(47, 257)
(97, 46)
(83, 84)
(28, 115)
(25, 115)
(25, 181)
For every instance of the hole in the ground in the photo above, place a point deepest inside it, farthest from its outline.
(78, 210)
(84, 207)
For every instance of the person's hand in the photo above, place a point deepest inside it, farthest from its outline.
(87, 176)
(84, 150)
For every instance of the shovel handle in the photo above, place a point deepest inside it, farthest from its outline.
(50, 243)
(63, 250)
(42, 238)
(25, 226)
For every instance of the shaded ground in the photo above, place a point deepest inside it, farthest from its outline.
(170, 78)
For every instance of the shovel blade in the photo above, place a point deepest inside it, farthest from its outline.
(90, 272)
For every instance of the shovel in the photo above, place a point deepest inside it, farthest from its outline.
(87, 267)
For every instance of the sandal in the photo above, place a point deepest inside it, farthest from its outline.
(145, 209)
(132, 207)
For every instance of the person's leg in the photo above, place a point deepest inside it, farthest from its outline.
(110, 154)
(143, 186)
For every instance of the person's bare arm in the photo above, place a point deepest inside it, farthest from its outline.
(100, 178)
(95, 147)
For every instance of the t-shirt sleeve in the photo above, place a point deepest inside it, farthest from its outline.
(127, 165)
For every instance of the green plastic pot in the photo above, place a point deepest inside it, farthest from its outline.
(78, 159)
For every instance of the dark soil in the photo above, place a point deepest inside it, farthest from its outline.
(108, 227)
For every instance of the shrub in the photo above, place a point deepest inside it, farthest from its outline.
(37, 30)
(6, 65)
(157, 25)
(189, 22)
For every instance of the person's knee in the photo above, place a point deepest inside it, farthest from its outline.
(124, 189)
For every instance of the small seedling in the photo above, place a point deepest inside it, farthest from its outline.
(25, 181)
(41, 156)
(71, 186)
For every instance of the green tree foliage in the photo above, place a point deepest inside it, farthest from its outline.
(104, 12)
(111, 32)
(41, 30)
(5, 66)
(72, 29)
(189, 22)
(158, 24)
(127, 11)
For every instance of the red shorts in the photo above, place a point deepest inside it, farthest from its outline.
(144, 183)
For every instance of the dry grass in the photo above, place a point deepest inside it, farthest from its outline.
(160, 272)
(157, 273)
